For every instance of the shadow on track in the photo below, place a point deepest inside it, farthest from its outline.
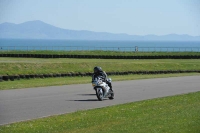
(85, 100)
(87, 94)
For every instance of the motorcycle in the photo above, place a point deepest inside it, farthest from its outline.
(102, 89)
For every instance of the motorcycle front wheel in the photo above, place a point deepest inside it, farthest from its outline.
(99, 93)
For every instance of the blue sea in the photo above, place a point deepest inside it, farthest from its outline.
(29, 44)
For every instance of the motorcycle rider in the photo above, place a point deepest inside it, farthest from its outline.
(99, 72)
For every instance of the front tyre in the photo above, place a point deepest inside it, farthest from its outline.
(99, 93)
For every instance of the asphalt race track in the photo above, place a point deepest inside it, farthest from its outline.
(25, 104)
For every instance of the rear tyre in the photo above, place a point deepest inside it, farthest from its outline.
(112, 95)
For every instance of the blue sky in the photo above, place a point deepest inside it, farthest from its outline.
(134, 17)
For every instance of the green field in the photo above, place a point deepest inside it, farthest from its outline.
(15, 66)
(175, 114)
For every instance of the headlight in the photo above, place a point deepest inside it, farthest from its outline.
(93, 84)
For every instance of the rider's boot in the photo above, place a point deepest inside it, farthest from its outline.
(109, 84)
(111, 88)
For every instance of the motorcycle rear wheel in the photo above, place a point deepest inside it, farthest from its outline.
(112, 95)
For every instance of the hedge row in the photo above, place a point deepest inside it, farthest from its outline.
(18, 77)
(102, 56)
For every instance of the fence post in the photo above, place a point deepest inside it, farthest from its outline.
(136, 48)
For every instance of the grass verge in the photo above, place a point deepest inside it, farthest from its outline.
(25, 83)
(16, 66)
(174, 114)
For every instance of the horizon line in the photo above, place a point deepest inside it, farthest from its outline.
(105, 31)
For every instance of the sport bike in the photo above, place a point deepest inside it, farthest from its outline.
(102, 89)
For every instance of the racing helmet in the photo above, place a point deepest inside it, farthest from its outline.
(97, 69)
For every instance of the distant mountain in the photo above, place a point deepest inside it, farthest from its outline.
(40, 30)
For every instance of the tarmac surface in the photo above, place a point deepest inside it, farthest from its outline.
(31, 103)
